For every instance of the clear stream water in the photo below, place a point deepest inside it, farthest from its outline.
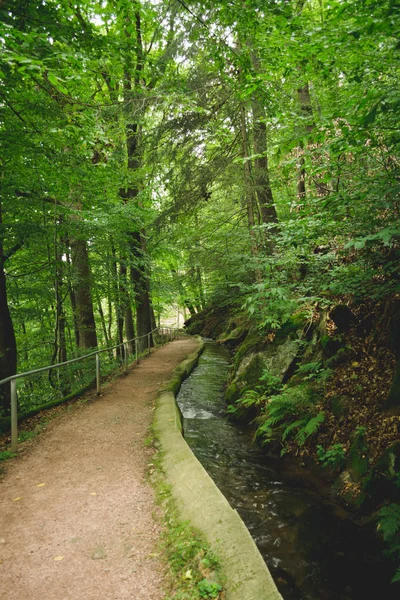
(313, 550)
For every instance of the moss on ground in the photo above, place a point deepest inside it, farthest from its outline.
(193, 570)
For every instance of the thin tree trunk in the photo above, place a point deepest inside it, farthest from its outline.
(129, 328)
(307, 114)
(60, 347)
(72, 299)
(261, 172)
(103, 322)
(200, 287)
(249, 191)
(142, 299)
(138, 274)
(83, 294)
(8, 345)
(119, 313)
(127, 307)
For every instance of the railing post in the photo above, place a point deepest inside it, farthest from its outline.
(136, 351)
(97, 373)
(148, 343)
(14, 415)
(126, 353)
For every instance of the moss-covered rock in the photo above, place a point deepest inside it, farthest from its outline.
(252, 343)
(194, 325)
(232, 393)
(293, 327)
(233, 338)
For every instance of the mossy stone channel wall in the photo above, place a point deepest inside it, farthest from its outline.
(203, 505)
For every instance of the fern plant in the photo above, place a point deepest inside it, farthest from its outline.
(291, 414)
(389, 527)
(249, 399)
(314, 371)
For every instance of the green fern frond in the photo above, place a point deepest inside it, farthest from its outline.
(314, 423)
(294, 425)
(389, 521)
(396, 577)
(273, 420)
(311, 427)
(311, 367)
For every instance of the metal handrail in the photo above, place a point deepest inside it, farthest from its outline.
(12, 379)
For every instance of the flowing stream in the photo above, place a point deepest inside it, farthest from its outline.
(312, 548)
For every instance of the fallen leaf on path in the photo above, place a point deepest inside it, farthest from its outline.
(188, 574)
(154, 554)
(93, 493)
(58, 558)
(16, 499)
(40, 484)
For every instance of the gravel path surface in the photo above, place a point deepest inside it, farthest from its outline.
(78, 520)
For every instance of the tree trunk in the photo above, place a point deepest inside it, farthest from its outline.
(152, 318)
(59, 378)
(8, 345)
(190, 307)
(103, 322)
(72, 300)
(307, 114)
(130, 328)
(141, 287)
(127, 307)
(261, 173)
(119, 313)
(83, 295)
(249, 190)
(200, 287)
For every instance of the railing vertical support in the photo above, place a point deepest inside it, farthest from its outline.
(148, 343)
(126, 353)
(14, 415)
(97, 373)
(136, 351)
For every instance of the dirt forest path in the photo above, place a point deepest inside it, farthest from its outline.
(77, 516)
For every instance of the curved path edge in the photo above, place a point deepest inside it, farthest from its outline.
(203, 505)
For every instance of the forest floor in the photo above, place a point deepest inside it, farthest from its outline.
(78, 516)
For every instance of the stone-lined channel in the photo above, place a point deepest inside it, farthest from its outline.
(313, 550)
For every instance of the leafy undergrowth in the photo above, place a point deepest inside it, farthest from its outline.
(333, 412)
(356, 395)
(333, 407)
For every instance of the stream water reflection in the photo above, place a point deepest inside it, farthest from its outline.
(312, 549)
